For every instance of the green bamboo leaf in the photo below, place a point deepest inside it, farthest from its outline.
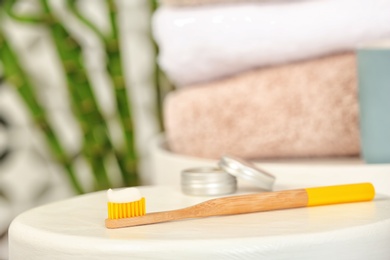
(8, 5)
(16, 76)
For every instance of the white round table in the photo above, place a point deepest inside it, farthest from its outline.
(74, 229)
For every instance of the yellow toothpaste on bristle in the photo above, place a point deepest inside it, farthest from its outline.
(125, 203)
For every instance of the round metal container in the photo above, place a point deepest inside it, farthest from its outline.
(247, 171)
(207, 181)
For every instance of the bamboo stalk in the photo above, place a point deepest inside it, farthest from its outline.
(16, 76)
(84, 104)
(127, 159)
(95, 142)
(115, 70)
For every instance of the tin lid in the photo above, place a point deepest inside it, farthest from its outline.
(207, 181)
(247, 171)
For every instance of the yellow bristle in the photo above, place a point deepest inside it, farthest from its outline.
(126, 210)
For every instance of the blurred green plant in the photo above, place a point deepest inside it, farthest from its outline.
(17, 77)
(97, 146)
(126, 155)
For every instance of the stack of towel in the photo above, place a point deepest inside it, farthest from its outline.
(265, 79)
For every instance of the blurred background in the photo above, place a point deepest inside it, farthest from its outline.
(97, 94)
(79, 100)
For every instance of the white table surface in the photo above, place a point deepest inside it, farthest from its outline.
(74, 229)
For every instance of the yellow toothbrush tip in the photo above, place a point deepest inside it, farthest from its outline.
(126, 210)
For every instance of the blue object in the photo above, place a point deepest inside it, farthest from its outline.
(374, 103)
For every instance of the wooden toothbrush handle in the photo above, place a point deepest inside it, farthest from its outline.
(251, 203)
(221, 206)
(315, 196)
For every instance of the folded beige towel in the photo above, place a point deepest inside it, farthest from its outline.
(305, 109)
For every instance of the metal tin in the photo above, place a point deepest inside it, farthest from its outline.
(247, 171)
(207, 181)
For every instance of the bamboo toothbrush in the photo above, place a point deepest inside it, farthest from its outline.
(133, 213)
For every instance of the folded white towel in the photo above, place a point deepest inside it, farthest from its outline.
(209, 42)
